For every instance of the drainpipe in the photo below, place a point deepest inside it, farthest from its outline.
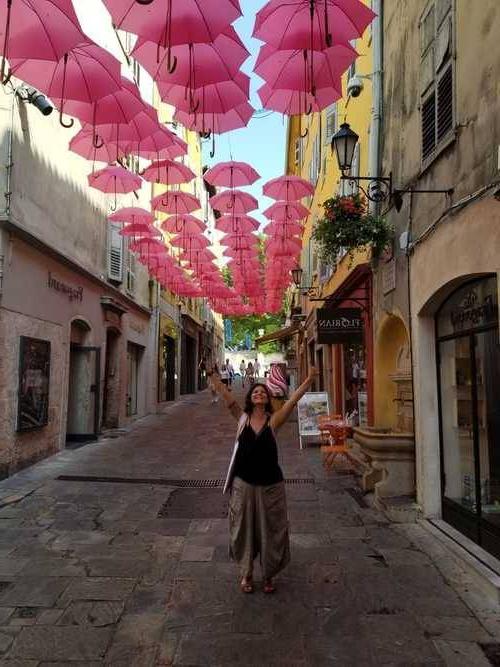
(374, 166)
(410, 329)
(5, 214)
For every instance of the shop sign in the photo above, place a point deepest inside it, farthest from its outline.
(340, 325)
(474, 311)
(73, 293)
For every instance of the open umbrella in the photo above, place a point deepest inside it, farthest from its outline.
(139, 229)
(132, 215)
(172, 22)
(175, 201)
(283, 229)
(231, 174)
(115, 180)
(288, 188)
(162, 144)
(283, 210)
(218, 97)
(168, 172)
(234, 201)
(182, 224)
(197, 242)
(38, 29)
(296, 102)
(83, 144)
(236, 223)
(218, 123)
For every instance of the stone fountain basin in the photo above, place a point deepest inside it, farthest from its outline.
(379, 442)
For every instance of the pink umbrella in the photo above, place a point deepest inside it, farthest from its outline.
(240, 241)
(291, 70)
(170, 22)
(283, 229)
(286, 211)
(160, 145)
(284, 247)
(218, 97)
(139, 229)
(38, 29)
(311, 24)
(84, 74)
(83, 144)
(182, 224)
(288, 188)
(234, 201)
(231, 174)
(176, 202)
(218, 123)
(296, 102)
(197, 64)
(132, 215)
(190, 242)
(236, 223)
(168, 172)
(114, 179)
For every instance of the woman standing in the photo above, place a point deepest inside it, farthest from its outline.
(258, 523)
(250, 373)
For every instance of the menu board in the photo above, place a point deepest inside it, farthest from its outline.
(311, 406)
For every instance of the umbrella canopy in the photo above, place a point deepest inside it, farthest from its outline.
(289, 188)
(236, 223)
(284, 247)
(292, 24)
(38, 29)
(190, 242)
(114, 179)
(218, 97)
(283, 229)
(162, 144)
(198, 64)
(176, 202)
(217, 123)
(182, 224)
(133, 215)
(139, 229)
(283, 210)
(85, 73)
(168, 172)
(83, 143)
(297, 102)
(234, 201)
(231, 174)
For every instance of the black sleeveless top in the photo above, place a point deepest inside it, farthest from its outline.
(257, 457)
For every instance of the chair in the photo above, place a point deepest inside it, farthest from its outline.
(337, 445)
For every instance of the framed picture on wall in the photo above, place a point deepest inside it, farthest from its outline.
(34, 380)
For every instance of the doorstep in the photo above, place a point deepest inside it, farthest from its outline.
(483, 568)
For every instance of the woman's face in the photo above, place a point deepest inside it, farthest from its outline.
(259, 396)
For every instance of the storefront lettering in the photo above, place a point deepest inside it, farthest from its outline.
(471, 313)
(73, 293)
(342, 325)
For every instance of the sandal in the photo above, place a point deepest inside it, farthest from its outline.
(246, 585)
(269, 587)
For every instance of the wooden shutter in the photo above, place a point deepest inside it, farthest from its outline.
(131, 266)
(115, 252)
(330, 123)
(445, 103)
(428, 125)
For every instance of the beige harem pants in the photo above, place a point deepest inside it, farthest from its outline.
(258, 525)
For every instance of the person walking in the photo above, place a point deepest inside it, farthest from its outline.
(211, 383)
(249, 373)
(258, 522)
(224, 376)
(256, 369)
(242, 372)
(230, 371)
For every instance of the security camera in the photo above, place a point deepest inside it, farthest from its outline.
(36, 98)
(354, 86)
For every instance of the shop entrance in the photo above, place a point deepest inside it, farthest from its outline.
(166, 380)
(111, 394)
(188, 375)
(355, 386)
(134, 353)
(469, 384)
(83, 393)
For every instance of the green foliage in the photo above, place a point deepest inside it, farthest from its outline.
(227, 276)
(348, 227)
(252, 324)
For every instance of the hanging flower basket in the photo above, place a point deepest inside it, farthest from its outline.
(347, 227)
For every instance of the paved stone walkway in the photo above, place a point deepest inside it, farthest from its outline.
(122, 573)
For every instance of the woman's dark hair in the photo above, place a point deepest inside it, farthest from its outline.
(248, 399)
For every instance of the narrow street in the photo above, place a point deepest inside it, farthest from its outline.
(134, 570)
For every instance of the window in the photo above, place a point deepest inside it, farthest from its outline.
(436, 76)
(314, 165)
(330, 123)
(298, 153)
(115, 252)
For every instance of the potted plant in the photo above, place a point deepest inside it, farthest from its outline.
(348, 227)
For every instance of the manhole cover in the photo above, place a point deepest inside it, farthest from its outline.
(189, 503)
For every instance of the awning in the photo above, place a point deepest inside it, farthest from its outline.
(280, 334)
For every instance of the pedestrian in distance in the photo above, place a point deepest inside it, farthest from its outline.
(224, 376)
(213, 390)
(242, 372)
(249, 373)
(230, 371)
(256, 369)
(258, 522)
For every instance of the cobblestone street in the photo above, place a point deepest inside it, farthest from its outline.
(131, 570)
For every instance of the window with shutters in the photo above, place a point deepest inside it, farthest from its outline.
(330, 123)
(315, 164)
(436, 76)
(115, 252)
(298, 153)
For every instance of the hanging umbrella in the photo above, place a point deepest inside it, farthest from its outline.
(162, 144)
(240, 241)
(296, 102)
(234, 201)
(218, 97)
(283, 247)
(283, 210)
(115, 180)
(289, 188)
(283, 229)
(38, 29)
(168, 172)
(190, 242)
(197, 63)
(218, 123)
(236, 223)
(172, 22)
(176, 202)
(132, 215)
(83, 144)
(311, 24)
(185, 224)
(139, 229)
(231, 174)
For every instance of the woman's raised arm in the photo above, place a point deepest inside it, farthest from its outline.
(228, 397)
(282, 415)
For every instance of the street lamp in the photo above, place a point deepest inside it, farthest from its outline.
(297, 276)
(379, 187)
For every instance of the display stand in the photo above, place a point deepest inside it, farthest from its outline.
(312, 405)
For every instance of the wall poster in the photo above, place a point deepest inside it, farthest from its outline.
(34, 380)
(311, 406)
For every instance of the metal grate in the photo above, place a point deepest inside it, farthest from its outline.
(157, 481)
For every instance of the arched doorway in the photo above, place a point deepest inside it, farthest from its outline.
(468, 359)
(82, 424)
(393, 381)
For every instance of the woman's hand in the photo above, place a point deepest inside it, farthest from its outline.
(313, 374)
